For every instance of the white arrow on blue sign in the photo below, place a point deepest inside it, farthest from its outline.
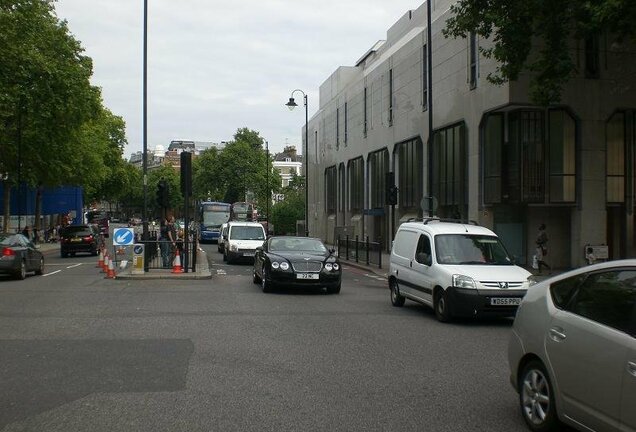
(123, 236)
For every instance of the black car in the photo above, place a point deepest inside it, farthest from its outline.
(19, 256)
(79, 238)
(296, 262)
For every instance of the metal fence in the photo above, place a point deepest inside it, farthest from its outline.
(366, 251)
(160, 254)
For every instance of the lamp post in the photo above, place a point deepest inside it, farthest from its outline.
(291, 104)
(269, 192)
(144, 216)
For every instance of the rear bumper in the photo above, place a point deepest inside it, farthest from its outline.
(80, 247)
(473, 302)
(288, 279)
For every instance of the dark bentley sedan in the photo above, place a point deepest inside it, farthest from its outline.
(19, 256)
(296, 262)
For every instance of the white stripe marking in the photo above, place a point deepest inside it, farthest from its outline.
(52, 273)
(73, 266)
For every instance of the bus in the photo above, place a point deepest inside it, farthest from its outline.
(243, 211)
(212, 215)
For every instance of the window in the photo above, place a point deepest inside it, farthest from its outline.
(378, 167)
(409, 160)
(342, 188)
(449, 168)
(493, 153)
(331, 189)
(592, 57)
(365, 124)
(424, 78)
(337, 128)
(356, 184)
(562, 147)
(473, 56)
(423, 250)
(563, 291)
(615, 159)
(607, 298)
(345, 124)
(390, 97)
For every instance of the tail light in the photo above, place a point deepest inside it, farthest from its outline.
(88, 239)
(6, 252)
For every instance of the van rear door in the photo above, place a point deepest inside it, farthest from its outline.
(402, 257)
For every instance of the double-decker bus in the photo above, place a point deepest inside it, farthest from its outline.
(243, 211)
(212, 215)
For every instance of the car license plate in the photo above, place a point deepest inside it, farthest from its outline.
(505, 301)
(248, 254)
(76, 240)
(307, 276)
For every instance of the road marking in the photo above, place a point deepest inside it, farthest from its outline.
(73, 266)
(52, 273)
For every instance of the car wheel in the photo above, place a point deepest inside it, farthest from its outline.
(63, 254)
(21, 274)
(442, 306)
(255, 277)
(334, 290)
(40, 270)
(536, 398)
(94, 251)
(397, 299)
(266, 285)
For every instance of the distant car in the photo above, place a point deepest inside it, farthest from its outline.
(101, 219)
(18, 256)
(572, 351)
(78, 238)
(296, 262)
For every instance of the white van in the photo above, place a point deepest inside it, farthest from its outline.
(459, 269)
(241, 240)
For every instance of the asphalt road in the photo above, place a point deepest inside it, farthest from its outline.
(82, 353)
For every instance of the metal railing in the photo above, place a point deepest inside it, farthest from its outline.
(160, 254)
(366, 251)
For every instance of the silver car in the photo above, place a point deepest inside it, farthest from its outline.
(572, 352)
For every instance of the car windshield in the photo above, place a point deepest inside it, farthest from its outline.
(247, 233)
(470, 249)
(296, 244)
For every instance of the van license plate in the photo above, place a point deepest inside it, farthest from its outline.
(505, 301)
(307, 276)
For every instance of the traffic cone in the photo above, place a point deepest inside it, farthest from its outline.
(111, 270)
(176, 265)
(105, 266)
(100, 260)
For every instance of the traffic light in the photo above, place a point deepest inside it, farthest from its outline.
(163, 194)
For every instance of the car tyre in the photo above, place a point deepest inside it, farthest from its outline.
(397, 299)
(441, 305)
(266, 286)
(40, 270)
(334, 289)
(536, 398)
(21, 274)
(255, 277)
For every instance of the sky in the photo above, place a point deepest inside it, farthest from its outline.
(216, 66)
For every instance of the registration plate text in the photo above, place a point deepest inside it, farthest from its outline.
(505, 301)
(307, 276)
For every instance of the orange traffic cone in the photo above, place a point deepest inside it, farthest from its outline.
(176, 267)
(105, 266)
(111, 270)
(100, 260)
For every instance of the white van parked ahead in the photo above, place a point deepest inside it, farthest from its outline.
(241, 240)
(459, 269)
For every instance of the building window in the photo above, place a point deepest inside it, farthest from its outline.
(620, 130)
(331, 189)
(342, 188)
(345, 124)
(449, 167)
(409, 182)
(493, 153)
(337, 128)
(473, 57)
(356, 184)
(424, 78)
(562, 148)
(527, 134)
(378, 167)
(592, 57)
(390, 97)
(364, 124)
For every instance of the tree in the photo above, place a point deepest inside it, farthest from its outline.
(285, 213)
(515, 27)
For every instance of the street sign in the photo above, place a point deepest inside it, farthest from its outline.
(123, 236)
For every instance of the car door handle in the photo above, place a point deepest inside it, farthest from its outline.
(631, 368)
(557, 334)
(411, 264)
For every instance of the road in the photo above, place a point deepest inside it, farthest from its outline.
(84, 353)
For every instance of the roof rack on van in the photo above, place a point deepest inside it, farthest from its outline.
(460, 221)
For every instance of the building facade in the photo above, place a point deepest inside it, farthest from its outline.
(288, 163)
(494, 157)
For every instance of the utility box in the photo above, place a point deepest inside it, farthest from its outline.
(139, 256)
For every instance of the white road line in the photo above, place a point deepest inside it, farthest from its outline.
(52, 273)
(73, 266)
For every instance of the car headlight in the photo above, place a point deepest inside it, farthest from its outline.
(461, 281)
(275, 265)
(532, 280)
(284, 266)
(328, 266)
(336, 266)
(234, 248)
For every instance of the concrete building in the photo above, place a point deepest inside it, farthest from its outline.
(495, 158)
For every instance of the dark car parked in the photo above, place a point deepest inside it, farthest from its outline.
(296, 262)
(19, 256)
(79, 238)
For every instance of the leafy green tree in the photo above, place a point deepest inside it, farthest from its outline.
(285, 213)
(519, 29)
(171, 176)
(206, 182)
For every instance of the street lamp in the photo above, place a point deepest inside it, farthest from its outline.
(291, 104)
(269, 191)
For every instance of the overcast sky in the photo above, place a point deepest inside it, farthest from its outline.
(215, 66)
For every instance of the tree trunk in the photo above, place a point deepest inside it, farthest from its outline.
(6, 206)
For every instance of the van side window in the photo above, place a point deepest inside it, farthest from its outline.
(403, 243)
(423, 251)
